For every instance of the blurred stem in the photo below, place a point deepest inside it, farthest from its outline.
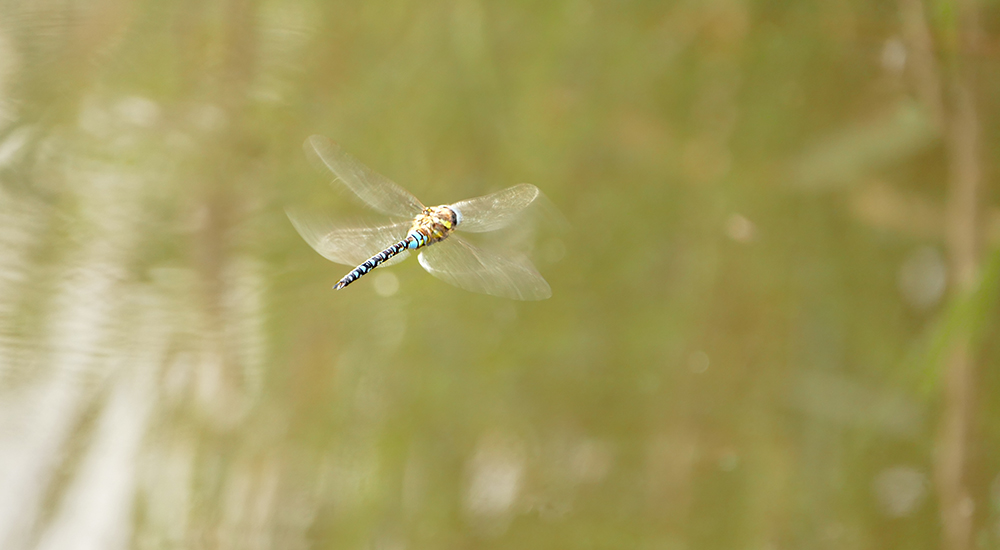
(960, 126)
(222, 205)
(965, 174)
(923, 66)
(963, 237)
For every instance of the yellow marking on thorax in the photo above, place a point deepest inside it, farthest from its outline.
(434, 222)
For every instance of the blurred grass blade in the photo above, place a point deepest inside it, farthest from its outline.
(966, 316)
(845, 156)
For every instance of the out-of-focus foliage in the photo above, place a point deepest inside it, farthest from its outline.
(750, 316)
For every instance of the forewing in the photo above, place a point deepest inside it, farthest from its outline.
(348, 245)
(374, 189)
(464, 265)
(496, 210)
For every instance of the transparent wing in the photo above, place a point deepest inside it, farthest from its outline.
(495, 210)
(374, 189)
(348, 245)
(456, 261)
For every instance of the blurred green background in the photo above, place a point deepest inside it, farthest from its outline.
(773, 321)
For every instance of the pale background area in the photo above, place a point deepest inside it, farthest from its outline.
(773, 321)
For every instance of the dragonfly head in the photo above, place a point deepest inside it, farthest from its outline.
(447, 216)
(455, 213)
(434, 224)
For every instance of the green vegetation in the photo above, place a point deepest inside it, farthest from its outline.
(774, 304)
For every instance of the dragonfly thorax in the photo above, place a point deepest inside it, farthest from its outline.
(432, 225)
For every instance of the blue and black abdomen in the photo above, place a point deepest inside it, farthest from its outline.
(432, 225)
(373, 262)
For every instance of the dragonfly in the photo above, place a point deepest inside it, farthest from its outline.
(411, 226)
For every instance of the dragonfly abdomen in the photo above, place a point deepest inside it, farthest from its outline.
(430, 226)
(373, 262)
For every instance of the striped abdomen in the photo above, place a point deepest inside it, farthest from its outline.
(430, 226)
(373, 262)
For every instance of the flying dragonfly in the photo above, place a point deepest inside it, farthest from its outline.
(413, 226)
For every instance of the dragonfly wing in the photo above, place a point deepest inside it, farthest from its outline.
(495, 210)
(348, 245)
(374, 189)
(458, 262)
